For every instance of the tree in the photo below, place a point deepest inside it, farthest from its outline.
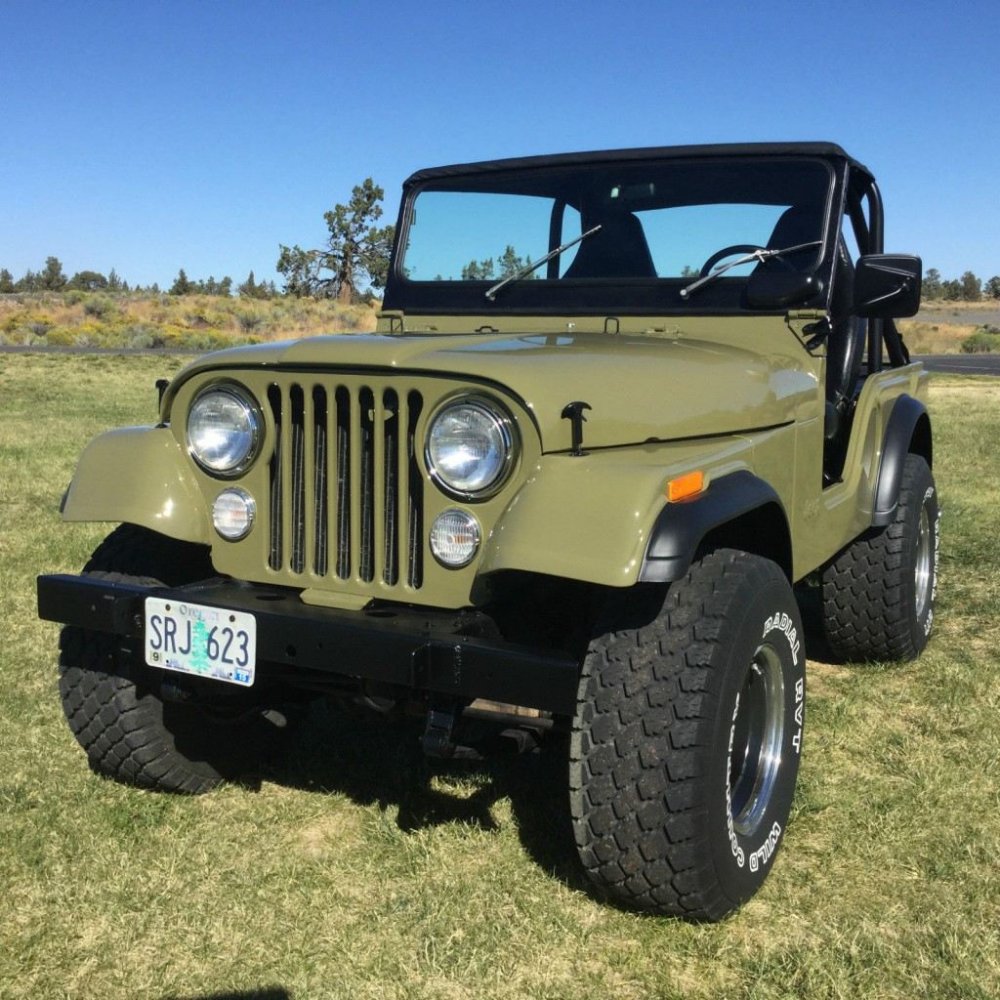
(992, 287)
(300, 269)
(356, 250)
(951, 290)
(972, 287)
(6, 282)
(249, 289)
(510, 262)
(52, 278)
(182, 284)
(932, 288)
(88, 281)
(29, 283)
(213, 287)
(481, 270)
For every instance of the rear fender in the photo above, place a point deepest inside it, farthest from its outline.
(138, 475)
(908, 430)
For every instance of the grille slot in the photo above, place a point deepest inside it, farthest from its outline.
(346, 494)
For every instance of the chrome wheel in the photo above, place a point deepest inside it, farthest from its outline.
(923, 570)
(755, 741)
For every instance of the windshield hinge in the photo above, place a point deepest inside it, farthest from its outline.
(810, 326)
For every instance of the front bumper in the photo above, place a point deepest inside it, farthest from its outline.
(423, 651)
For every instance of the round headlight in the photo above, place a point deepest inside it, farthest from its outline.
(470, 448)
(224, 429)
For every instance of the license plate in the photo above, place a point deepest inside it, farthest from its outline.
(205, 642)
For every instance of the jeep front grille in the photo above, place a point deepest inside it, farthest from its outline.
(346, 498)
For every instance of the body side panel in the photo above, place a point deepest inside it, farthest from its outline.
(838, 514)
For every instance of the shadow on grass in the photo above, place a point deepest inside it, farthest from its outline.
(810, 603)
(379, 761)
(277, 993)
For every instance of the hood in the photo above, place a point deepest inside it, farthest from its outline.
(638, 388)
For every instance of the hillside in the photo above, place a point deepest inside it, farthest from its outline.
(193, 322)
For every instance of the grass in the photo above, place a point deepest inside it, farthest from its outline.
(184, 322)
(356, 869)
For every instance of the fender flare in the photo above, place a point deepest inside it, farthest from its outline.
(907, 422)
(680, 527)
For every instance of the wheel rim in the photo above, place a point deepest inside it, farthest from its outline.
(755, 741)
(923, 571)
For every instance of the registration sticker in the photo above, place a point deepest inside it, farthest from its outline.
(206, 642)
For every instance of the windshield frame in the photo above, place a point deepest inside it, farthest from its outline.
(601, 296)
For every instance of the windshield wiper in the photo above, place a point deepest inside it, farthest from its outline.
(758, 255)
(491, 292)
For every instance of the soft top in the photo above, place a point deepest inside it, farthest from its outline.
(823, 149)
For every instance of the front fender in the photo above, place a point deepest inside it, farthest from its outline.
(138, 475)
(591, 517)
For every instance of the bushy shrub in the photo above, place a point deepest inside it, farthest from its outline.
(40, 325)
(99, 306)
(985, 340)
(66, 336)
(249, 321)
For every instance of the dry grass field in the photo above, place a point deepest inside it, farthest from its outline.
(356, 869)
(941, 327)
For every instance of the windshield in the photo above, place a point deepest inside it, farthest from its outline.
(659, 224)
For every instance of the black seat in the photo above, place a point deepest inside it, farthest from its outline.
(618, 250)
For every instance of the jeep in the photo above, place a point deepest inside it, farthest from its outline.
(622, 412)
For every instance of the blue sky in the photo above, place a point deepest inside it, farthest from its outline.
(149, 136)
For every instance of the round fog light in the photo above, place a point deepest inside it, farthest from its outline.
(454, 538)
(233, 514)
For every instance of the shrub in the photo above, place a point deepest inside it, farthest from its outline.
(985, 340)
(143, 336)
(249, 321)
(100, 307)
(65, 336)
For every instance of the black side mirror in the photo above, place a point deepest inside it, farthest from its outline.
(887, 285)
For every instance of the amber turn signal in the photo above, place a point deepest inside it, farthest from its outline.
(686, 486)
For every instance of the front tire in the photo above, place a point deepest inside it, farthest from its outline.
(137, 724)
(686, 740)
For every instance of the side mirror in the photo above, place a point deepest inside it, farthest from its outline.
(887, 285)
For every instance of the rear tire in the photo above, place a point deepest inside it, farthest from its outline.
(685, 745)
(878, 594)
(116, 705)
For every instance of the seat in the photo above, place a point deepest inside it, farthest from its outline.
(619, 250)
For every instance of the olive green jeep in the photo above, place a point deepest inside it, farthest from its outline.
(618, 405)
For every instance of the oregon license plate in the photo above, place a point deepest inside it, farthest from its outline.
(203, 641)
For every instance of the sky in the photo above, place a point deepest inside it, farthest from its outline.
(152, 136)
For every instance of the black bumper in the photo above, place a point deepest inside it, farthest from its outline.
(424, 651)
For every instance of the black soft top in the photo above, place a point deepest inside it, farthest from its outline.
(829, 150)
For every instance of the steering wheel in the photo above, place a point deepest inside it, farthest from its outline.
(726, 252)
